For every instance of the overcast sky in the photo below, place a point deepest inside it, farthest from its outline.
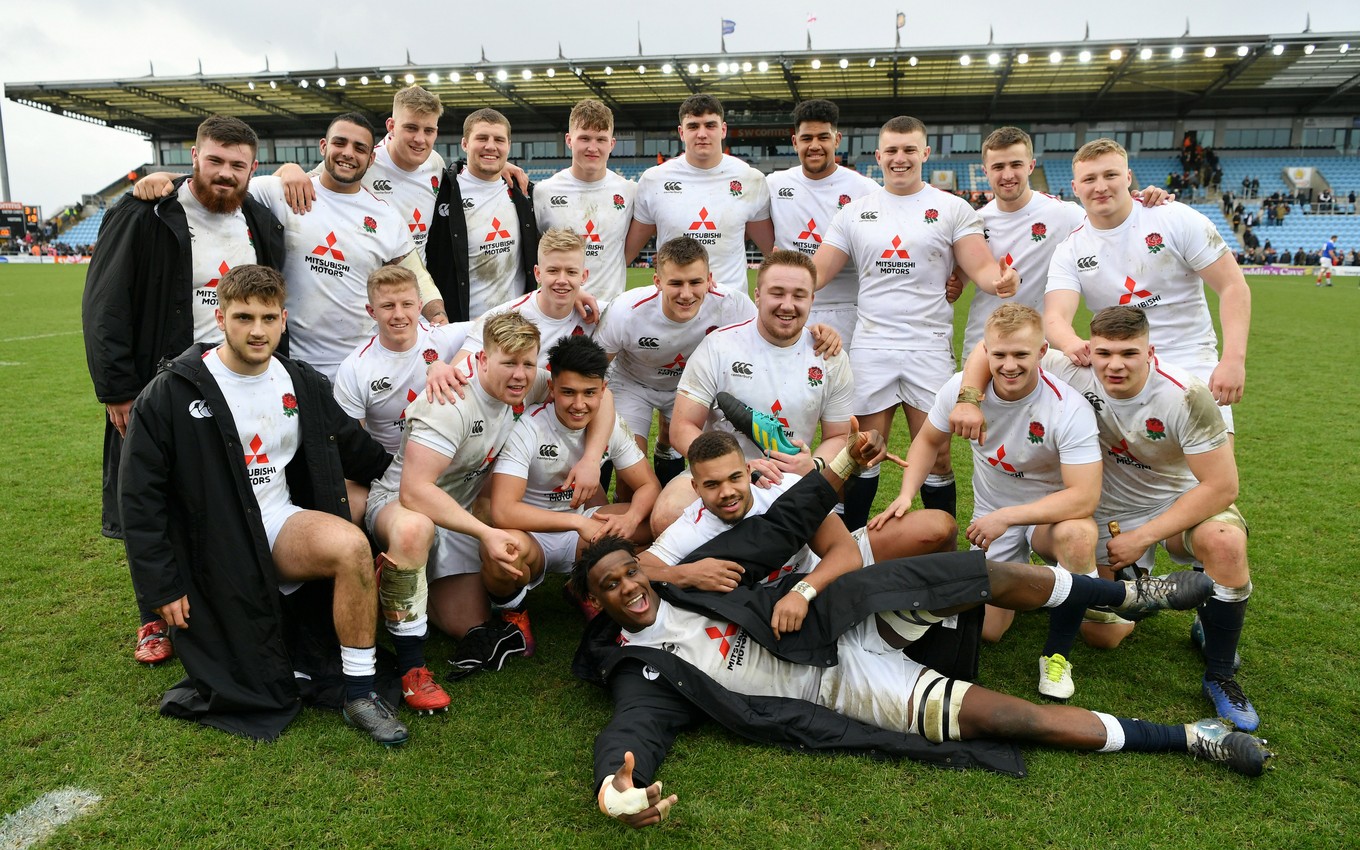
(53, 160)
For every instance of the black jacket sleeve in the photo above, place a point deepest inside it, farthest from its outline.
(107, 309)
(648, 714)
(145, 499)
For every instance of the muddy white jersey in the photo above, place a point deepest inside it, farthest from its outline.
(712, 205)
(493, 242)
(1028, 441)
(470, 432)
(550, 330)
(726, 653)
(902, 247)
(1144, 439)
(802, 210)
(330, 253)
(650, 349)
(410, 193)
(1151, 261)
(1027, 238)
(376, 384)
(792, 384)
(542, 451)
(219, 242)
(265, 412)
(600, 212)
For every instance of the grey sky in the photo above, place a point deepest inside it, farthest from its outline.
(52, 160)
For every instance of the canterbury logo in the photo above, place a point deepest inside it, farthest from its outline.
(443, 210)
(382, 185)
(1087, 263)
(1096, 401)
(380, 385)
(200, 410)
(558, 201)
(477, 427)
(786, 193)
(648, 342)
(672, 186)
(871, 215)
(547, 450)
(741, 369)
(467, 203)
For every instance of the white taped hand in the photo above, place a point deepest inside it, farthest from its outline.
(629, 802)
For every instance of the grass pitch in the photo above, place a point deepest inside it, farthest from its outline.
(509, 766)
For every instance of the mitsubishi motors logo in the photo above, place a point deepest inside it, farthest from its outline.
(1122, 455)
(590, 235)
(328, 248)
(1133, 291)
(255, 455)
(1000, 460)
(811, 232)
(411, 395)
(896, 250)
(721, 635)
(674, 368)
(703, 223)
(497, 231)
(1010, 261)
(775, 410)
(221, 270)
(415, 224)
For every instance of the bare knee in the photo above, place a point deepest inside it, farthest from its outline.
(1075, 538)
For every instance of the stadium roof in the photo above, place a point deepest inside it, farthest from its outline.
(1307, 74)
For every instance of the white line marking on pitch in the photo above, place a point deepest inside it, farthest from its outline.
(35, 822)
(38, 336)
(10, 363)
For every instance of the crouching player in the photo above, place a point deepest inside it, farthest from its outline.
(530, 492)
(374, 385)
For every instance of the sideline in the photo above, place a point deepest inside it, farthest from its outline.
(38, 336)
(37, 821)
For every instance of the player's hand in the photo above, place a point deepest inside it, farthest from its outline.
(657, 806)
(587, 306)
(867, 448)
(899, 507)
(1153, 196)
(118, 415)
(445, 382)
(711, 574)
(1227, 382)
(770, 473)
(789, 614)
(1009, 281)
(435, 313)
(953, 286)
(503, 552)
(584, 481)
(825, 341)
(298, 191)
(153, 186)
(984, 531)
(606, 525)
(1080, 353)
(515, 177)
(176, 613)
(799, 464)
(967, 421)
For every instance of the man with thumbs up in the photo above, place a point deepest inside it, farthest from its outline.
(905, 240)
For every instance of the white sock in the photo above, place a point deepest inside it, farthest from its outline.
(1114, 733)
(359, 661)
(1062, 587)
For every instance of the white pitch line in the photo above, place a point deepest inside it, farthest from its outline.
(39, 336)
(37, 821)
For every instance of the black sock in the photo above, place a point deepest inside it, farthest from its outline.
(859, 500)
(359, 687)
(410, 652)
(1064, 621)
(1141, 736)
(503, 601)
(1222, 629)
(667, 468)
(147, 615)
(944, 498)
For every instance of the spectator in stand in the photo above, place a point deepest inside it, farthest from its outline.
(1351, 200)
(1270, 254)
(1227, 203)
(1300, 258)
(1324, 202)
(1249, 219)
(1249, 239)
(1281, 210)
(1312, 258)
(1256, 187)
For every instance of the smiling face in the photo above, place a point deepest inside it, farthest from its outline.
(724, 486)
(1008, 170)
(575, 398)
(1014, 360)
(221, 175)
(506, 375)
(346, 153)
(413, 136)
(815, 143)
(560, 275)
(618, 586)
(901, 155)
(1102, 185)
(252, 328)
(703, 137)
(783, 300)
(1122, 365)
(396, 309)
(487, 146)
(683, 288)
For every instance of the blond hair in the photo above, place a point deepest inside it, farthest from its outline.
(591, 114)
(1097, 148)
(560, 239)
(392, 277)
(418, 100)
(510, 333)
(1009, 319)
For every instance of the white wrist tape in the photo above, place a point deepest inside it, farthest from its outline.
(614, 802)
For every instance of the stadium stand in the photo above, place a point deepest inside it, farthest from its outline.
(85, 231)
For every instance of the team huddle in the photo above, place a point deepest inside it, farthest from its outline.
(397, 390)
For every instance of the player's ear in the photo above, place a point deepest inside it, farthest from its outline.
(369, 309)
(538, 273)
(221, 318)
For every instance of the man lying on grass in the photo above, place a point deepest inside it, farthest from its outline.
(841, 680)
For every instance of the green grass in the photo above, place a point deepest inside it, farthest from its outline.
(510, 765)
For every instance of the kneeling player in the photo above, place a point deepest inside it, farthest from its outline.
(530, 492)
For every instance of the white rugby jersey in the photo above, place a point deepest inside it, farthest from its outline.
(542, 451)
(792, 384)
(410, 193)
(1027, 238)
(550, 330)
(649, 348)
(471, 431)
(1151, 261)
(802, 210)
(697, 525)
(902, 247)
(712, 205)
(493, 242)
(219, 242)
(376, 384)
(726, 653)
(265, 412)
(1028, 441)
(600, 212)
(1144, 439)
(330, 252)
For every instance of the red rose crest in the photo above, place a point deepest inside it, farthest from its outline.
(932, 216)
(518, 410)
(842, 201)
(370, 225)
(619, 203)
(289, 404)
(1038, 232)
(434, 185)
(1155, 429)
(250, 237)
(429, 355)
(814, 376)
(735, 188)
(1036, 432)
(1154, 242)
